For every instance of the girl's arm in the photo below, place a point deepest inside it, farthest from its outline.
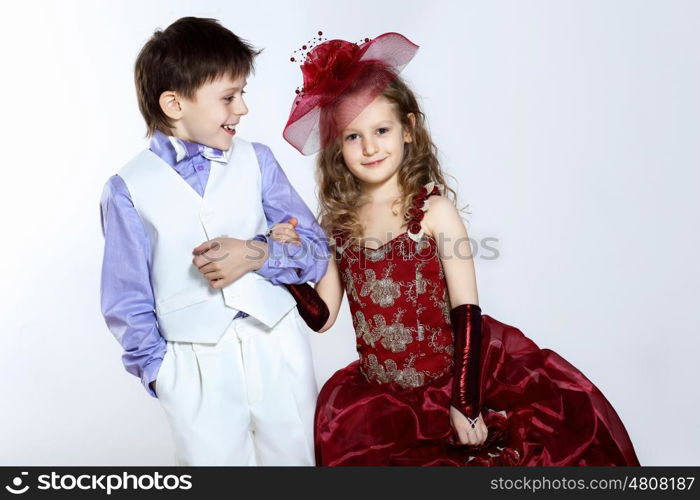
(329, 287)
(442, 221)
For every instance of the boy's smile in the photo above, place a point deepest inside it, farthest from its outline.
(210, 118)
(230, 128)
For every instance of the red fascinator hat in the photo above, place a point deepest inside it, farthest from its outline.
(335, 70)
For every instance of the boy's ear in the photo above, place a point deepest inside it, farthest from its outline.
(408, 133)
(170, 104)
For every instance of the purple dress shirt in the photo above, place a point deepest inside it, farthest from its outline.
(128, 302)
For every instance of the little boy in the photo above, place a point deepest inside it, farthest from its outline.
(230, 362)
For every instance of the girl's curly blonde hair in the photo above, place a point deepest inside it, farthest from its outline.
(339, 190)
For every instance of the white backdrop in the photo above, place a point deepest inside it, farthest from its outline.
(571, 128)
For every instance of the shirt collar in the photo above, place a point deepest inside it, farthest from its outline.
(174, 150)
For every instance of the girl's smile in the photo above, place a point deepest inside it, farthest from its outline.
(374, 163)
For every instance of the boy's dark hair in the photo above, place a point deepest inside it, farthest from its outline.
(187, 54)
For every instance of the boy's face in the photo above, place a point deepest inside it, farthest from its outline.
(211, 116)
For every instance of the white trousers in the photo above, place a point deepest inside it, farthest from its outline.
(247, 400)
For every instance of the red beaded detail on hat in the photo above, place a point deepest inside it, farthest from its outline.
(303, 52)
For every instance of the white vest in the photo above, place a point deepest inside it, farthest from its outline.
(177, 220)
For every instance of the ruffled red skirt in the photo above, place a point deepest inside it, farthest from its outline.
(539, 409)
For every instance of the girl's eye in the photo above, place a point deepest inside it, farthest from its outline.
(351, 137)
(382, 130)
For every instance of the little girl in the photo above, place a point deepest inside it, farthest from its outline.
(437, 383)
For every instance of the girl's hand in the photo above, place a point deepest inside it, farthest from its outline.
(285, 232)
(465, 433)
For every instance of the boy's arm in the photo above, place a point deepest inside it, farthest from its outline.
(127, 299)
(288, 263)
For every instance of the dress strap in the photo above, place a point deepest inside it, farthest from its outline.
(339, 241)
(419, 207)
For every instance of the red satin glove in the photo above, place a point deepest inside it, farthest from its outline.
(310, 305)
(466, 327)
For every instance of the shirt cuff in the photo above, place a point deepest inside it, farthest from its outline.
(150, 373)
(279, 267)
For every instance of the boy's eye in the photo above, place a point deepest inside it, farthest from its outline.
(230, 98)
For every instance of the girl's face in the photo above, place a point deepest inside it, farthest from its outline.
(373, 143)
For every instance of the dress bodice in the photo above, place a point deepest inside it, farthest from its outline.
(399, 304)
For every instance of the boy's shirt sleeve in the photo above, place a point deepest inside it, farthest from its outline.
(288, 263)
(127, 299)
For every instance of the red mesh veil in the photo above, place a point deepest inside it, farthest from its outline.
(340, 79)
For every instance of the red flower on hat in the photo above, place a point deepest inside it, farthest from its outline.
(334, 68)
(328, 63)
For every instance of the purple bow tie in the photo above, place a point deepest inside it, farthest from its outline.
(186, 149)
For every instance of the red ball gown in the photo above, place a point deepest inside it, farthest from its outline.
(391, 407)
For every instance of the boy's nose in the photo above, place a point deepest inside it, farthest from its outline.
(240, 108)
